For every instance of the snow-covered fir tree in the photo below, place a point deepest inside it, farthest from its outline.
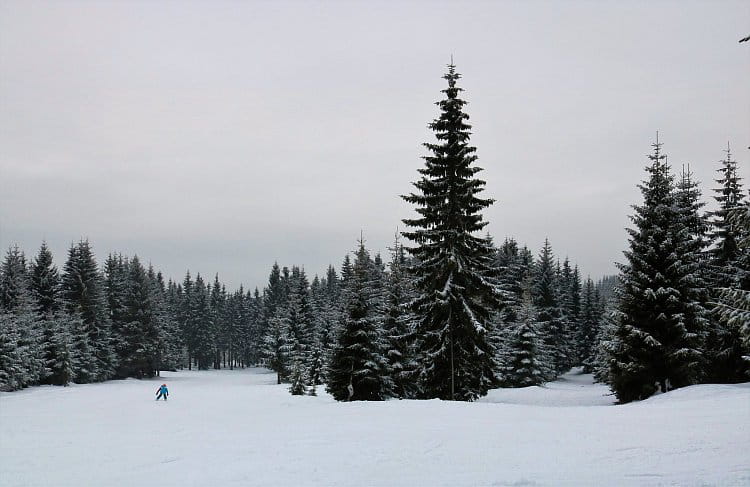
(588, 326)
(725, 347)
(45, 283)
(397, 325)
(60, 357)
(300, 325)
(523, 360)
(14, 280)
(549, 314)
(724, 233)
(140, 333)
(57, 340)
(455, 301)
(732, 309)
(513, 267)
(658, 336)
(358, 361)
(23, 326)
(11, 369)
(329, 318)
(201, 333)
(116, 276)
(82, 293)
(170, 349)
(568, 289)
(275, 346)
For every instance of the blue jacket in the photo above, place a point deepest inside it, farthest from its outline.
(163, 390)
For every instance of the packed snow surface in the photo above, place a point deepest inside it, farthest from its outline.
(238, 428)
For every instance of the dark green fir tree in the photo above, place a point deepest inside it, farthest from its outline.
(550, 316)
(358, 363)
(724, 232)
(455, 296)
(83, 294)
(657, 336)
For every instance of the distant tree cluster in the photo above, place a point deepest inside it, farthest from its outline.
(88, 324)
(682, 311)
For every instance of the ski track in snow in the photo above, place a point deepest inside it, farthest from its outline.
(238, 428)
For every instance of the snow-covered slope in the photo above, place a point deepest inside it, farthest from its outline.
(238, 428)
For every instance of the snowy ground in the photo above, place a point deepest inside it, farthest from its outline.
(238, 428)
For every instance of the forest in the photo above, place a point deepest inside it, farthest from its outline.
(450, 313)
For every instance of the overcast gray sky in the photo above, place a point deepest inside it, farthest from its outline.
(221, 136)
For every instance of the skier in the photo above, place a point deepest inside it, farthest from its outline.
(162, 392)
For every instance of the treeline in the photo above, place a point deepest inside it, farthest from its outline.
(88, 324)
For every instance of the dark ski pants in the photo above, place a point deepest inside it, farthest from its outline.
(160, 396)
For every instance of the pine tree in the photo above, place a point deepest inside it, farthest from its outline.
(549, 314)
(589, 327)
(218, 324)
(568, 295)
(301, 321)
(725, 234)
(186, 319)
(397, 325)
(116, 277)
(59, 353)
(24, 326)
(358, 358)
(253, 322)
(725, 347)
(316, 370)
(169, 345)
(329, 317)
(657, 339)
(297, 377)
(11, 367)
(13, 280)
(140, 333)
(732, 309)
(275, 345)
(455, 300)
(82, 293)
(200, 310)
(523, 365)
(45, 283)
(83, 355)
(691, 229)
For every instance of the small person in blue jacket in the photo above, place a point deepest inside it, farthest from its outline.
(162, 392)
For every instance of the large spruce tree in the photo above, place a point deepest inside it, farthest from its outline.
(455, 297)
(657, 335)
